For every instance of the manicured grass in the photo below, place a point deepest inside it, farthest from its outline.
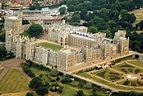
(1, 70)
(13, 81)
(139, 15)
(84, 75)
(108, 74)
(25, 33)
(37, 72)
(67, 91)
(99, 93)
(51, 46)
(111, 75)
(109, 83)
(74, 83)
(138, 63)
(18, 94)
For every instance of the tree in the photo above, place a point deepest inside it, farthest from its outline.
(25, 22)
(54, 72)
(66, 80)
(35, 30)
(132, 18)
(137, 56)
(80, 93)
(42, 90)
(62, 10)
(3, 52)
(83, 13)
(92, 29)
(108, 33)
(60, 89)
(88, 85)
(35, 83)
(81, 85)
(58, 78)
(76, 18)
(141, 25)
(29, 94)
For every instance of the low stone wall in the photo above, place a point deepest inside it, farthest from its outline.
(141, 57)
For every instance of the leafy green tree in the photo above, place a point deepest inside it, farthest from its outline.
(62, 10)
(80, 93)
(35, 83)
(96, 20)
(81, 85)
(123, 15)
(76, 18)
(42, 90)
(108, 33)
(60, 89)
(66, 80)
(141, 25)
(35, 30)
(3, 52)
(29, 94)
(71, 8)
(25, 22)
(2, 36)
(132, 18)
(88, 85)
(83, 13)
(54, 73)
(92, 29)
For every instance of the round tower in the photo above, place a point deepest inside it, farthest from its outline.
(13, 23)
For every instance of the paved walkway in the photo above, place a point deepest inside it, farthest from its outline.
(12, 63)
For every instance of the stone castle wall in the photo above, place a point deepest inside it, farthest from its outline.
(93, 47)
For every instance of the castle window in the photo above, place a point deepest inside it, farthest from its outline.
(61, 39)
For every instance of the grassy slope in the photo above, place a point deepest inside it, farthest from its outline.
(37, 72)
(139, 14)
(13, 81)
(52, 46)
(25, 33)
(1, 70)
(138, 63)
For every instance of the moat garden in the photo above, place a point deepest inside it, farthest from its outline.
(123, 74)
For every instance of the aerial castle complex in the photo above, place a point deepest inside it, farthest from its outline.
(79, 48)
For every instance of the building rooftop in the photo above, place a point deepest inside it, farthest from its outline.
(83, 37)
(13, 17)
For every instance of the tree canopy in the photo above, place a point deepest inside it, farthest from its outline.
(42, 90)
(25, 22)
(35, 83)
(62, 10)
(80, 93)
(35, 30)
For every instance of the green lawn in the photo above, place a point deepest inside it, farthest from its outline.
(37, 72)
(25, 33)
(1, 70)
(13, 81)
(125, 67)
(51, 46)
(67, 91)
(138, 63)
(139, 15)
(109, 82)
(108, 74)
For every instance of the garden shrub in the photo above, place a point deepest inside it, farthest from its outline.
(126, 82)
